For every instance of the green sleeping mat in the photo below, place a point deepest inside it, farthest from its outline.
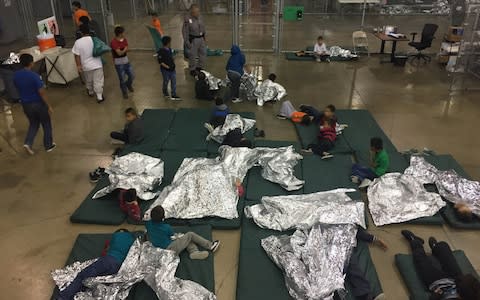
(103, 211)
(187, 132)
(447, 162)
(308, 135)
(212, 146)
(257, 186)
(361, 128)
(156, 123)
(88, 246)
(415, 286)
(260, 279)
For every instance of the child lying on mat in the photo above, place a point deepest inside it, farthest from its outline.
(287, 111)
(160, 234)
(446, 282)
(326, 138)
(133, 131)
(464, 212)
(318, 116)
(109, 264)
(379, 163)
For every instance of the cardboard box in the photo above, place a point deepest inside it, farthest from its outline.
(454, 34)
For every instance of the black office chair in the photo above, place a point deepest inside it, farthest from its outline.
(428, 34)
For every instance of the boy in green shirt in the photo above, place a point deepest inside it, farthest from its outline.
(379, 163)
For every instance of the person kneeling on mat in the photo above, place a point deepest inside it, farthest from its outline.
(129, 204)
(133, 131)
(202, 89)
(109, 264)
(447, 282)
(379, 163)
(161, 235)
(287, 111)
(326, 139)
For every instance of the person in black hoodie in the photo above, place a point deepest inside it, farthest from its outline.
(234, 68)
(202, 89)
(133, 131)
(167, 66)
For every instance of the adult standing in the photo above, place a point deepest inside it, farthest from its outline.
(35, 104)
(79, 12)
(89, 65)
(194, 39)
(234, 68)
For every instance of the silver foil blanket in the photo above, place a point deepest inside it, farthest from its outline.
(232, 121)
(450, 185)
(144, 262)
(397, 198)
(269, 91)
(205, 187)
(12, 59)
(248, 83)
(303, 211)
(340, 52)
(134, 171)
(313, 260)
(214, 83)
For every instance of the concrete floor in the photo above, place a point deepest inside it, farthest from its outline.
(412, 105)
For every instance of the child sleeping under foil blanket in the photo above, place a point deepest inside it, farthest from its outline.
(205, 187)
(315, 257)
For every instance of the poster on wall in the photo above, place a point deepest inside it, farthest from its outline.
(48, 26)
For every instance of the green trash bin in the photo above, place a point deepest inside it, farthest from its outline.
(293, 13)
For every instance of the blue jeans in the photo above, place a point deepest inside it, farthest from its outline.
(106, 265)
(37, 113)
(122, 71)
(363, 172)
(169, 76)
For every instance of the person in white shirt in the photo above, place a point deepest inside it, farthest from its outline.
(91, 67)
(320, 50)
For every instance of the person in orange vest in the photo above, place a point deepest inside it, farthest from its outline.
(156, 23)
(79, 12)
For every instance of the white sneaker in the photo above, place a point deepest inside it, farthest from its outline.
(355, 179)
(381, 297)
(326, 156)
(215, 246)
(307, 151)
(28, 149)
(237, 100)
(209, 127)
(199, 255)
(365, 183)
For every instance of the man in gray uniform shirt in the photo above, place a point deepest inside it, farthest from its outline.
(194, 39)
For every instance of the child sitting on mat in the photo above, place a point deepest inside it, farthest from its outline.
(133, 131)
(320, 50)
(109, 264)
(287, 111)
(129, 204)
(202, 89)
(446, 281)
(326, 139)
(160, 234)
(379, 163)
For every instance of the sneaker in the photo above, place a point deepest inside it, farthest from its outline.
(125, 95)
(327, 60)
(432, 242)
(215, 246)
(381, 297)
(281, 117)
(133, 211)
(94, 177)
(28, 149)
(175, 98)
(307, 151)
(237, 100)
(355, 179)
(101, 100)
(209, 127)
(365, 183)
(53, 146)
(326, 156)
(130, 89)
(199, 255)
(411, 237)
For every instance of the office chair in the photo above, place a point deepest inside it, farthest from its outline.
(428, 34)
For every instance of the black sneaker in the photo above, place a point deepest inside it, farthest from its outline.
(215, 246)
(410, 236)
(175, 98)
(130, 89)
(281, 117)
(94, 177)
(432, 242)
(53, 146)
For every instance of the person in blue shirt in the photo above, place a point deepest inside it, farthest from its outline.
(109, 264)
(161, 235)
(35, 104)
(235, 65)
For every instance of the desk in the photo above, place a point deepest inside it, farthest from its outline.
(385, 38)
